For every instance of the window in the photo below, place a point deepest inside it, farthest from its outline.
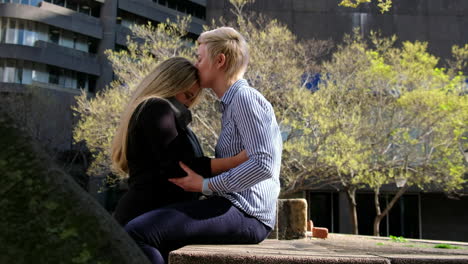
(20, 40)
(82, 81)
(54, 35)
(67, 39)
(3, 29)
(92, 45)
(35, 2)
(9, 72)
(84, 9)
(11, 31)
(30, 34)
(1, 71)
(92, 83)
(172, 4)
(54, 75)
(59, 2)
(72, 5)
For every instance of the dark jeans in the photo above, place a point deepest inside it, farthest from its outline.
(211, 221)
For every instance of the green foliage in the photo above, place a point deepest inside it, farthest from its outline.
(384, 5)
(447, 246)
(399, 239)
(273, 48)
(384, 112)
(41, 220)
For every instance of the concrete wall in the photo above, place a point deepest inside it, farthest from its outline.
(442, 23)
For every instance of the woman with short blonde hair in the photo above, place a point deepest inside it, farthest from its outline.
(232, 45)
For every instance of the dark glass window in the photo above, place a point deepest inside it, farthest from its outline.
(172, 4)
(54, 75)
(81, 80)
(54, 35)
(4, 30)
(20, 33)
(92, 83)
(59, 2)
(96, 11)
(93, 45)
(72, 5)
(85, 9)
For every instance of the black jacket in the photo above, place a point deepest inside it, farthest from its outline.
(158, 138)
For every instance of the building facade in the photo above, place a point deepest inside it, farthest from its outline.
(58, 46)
(442, 23)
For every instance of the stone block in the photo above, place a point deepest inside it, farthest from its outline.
(292, 218)
(320, 232)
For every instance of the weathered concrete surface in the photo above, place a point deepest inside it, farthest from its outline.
(45, 217)
(336, 249)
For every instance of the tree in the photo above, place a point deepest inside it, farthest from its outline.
(383, 113)
(384, 5)
(278, 61)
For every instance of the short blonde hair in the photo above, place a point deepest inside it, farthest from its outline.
(169, 78)
(232, 44)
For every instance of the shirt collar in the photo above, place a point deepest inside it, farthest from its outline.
(227, 97)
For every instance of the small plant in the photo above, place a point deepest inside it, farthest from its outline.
(446, 246)
(399, 239)
(380, 244)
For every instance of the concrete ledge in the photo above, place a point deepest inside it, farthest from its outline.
(270, 251)
(340, 249)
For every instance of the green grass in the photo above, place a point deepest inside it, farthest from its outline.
(447, 246)
(380, 244)
(399, 239)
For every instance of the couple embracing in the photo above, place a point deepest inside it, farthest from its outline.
(162, 211)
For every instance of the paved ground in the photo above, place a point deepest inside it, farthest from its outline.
(335, 249)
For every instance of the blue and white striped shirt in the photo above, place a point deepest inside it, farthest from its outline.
(249, 123)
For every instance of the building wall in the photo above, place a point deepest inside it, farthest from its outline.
(99, 26)
(442, 23)
(444, 218)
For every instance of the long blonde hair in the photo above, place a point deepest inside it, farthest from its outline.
(169, 78)
(232, 44)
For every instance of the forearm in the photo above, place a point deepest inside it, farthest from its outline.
(221, 165)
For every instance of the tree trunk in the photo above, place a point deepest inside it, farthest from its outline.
(351, 191)
(379, 215)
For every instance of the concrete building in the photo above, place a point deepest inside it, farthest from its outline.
(58, 46)
(442, 23)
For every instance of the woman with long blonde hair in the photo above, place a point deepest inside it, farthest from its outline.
(153, 137)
